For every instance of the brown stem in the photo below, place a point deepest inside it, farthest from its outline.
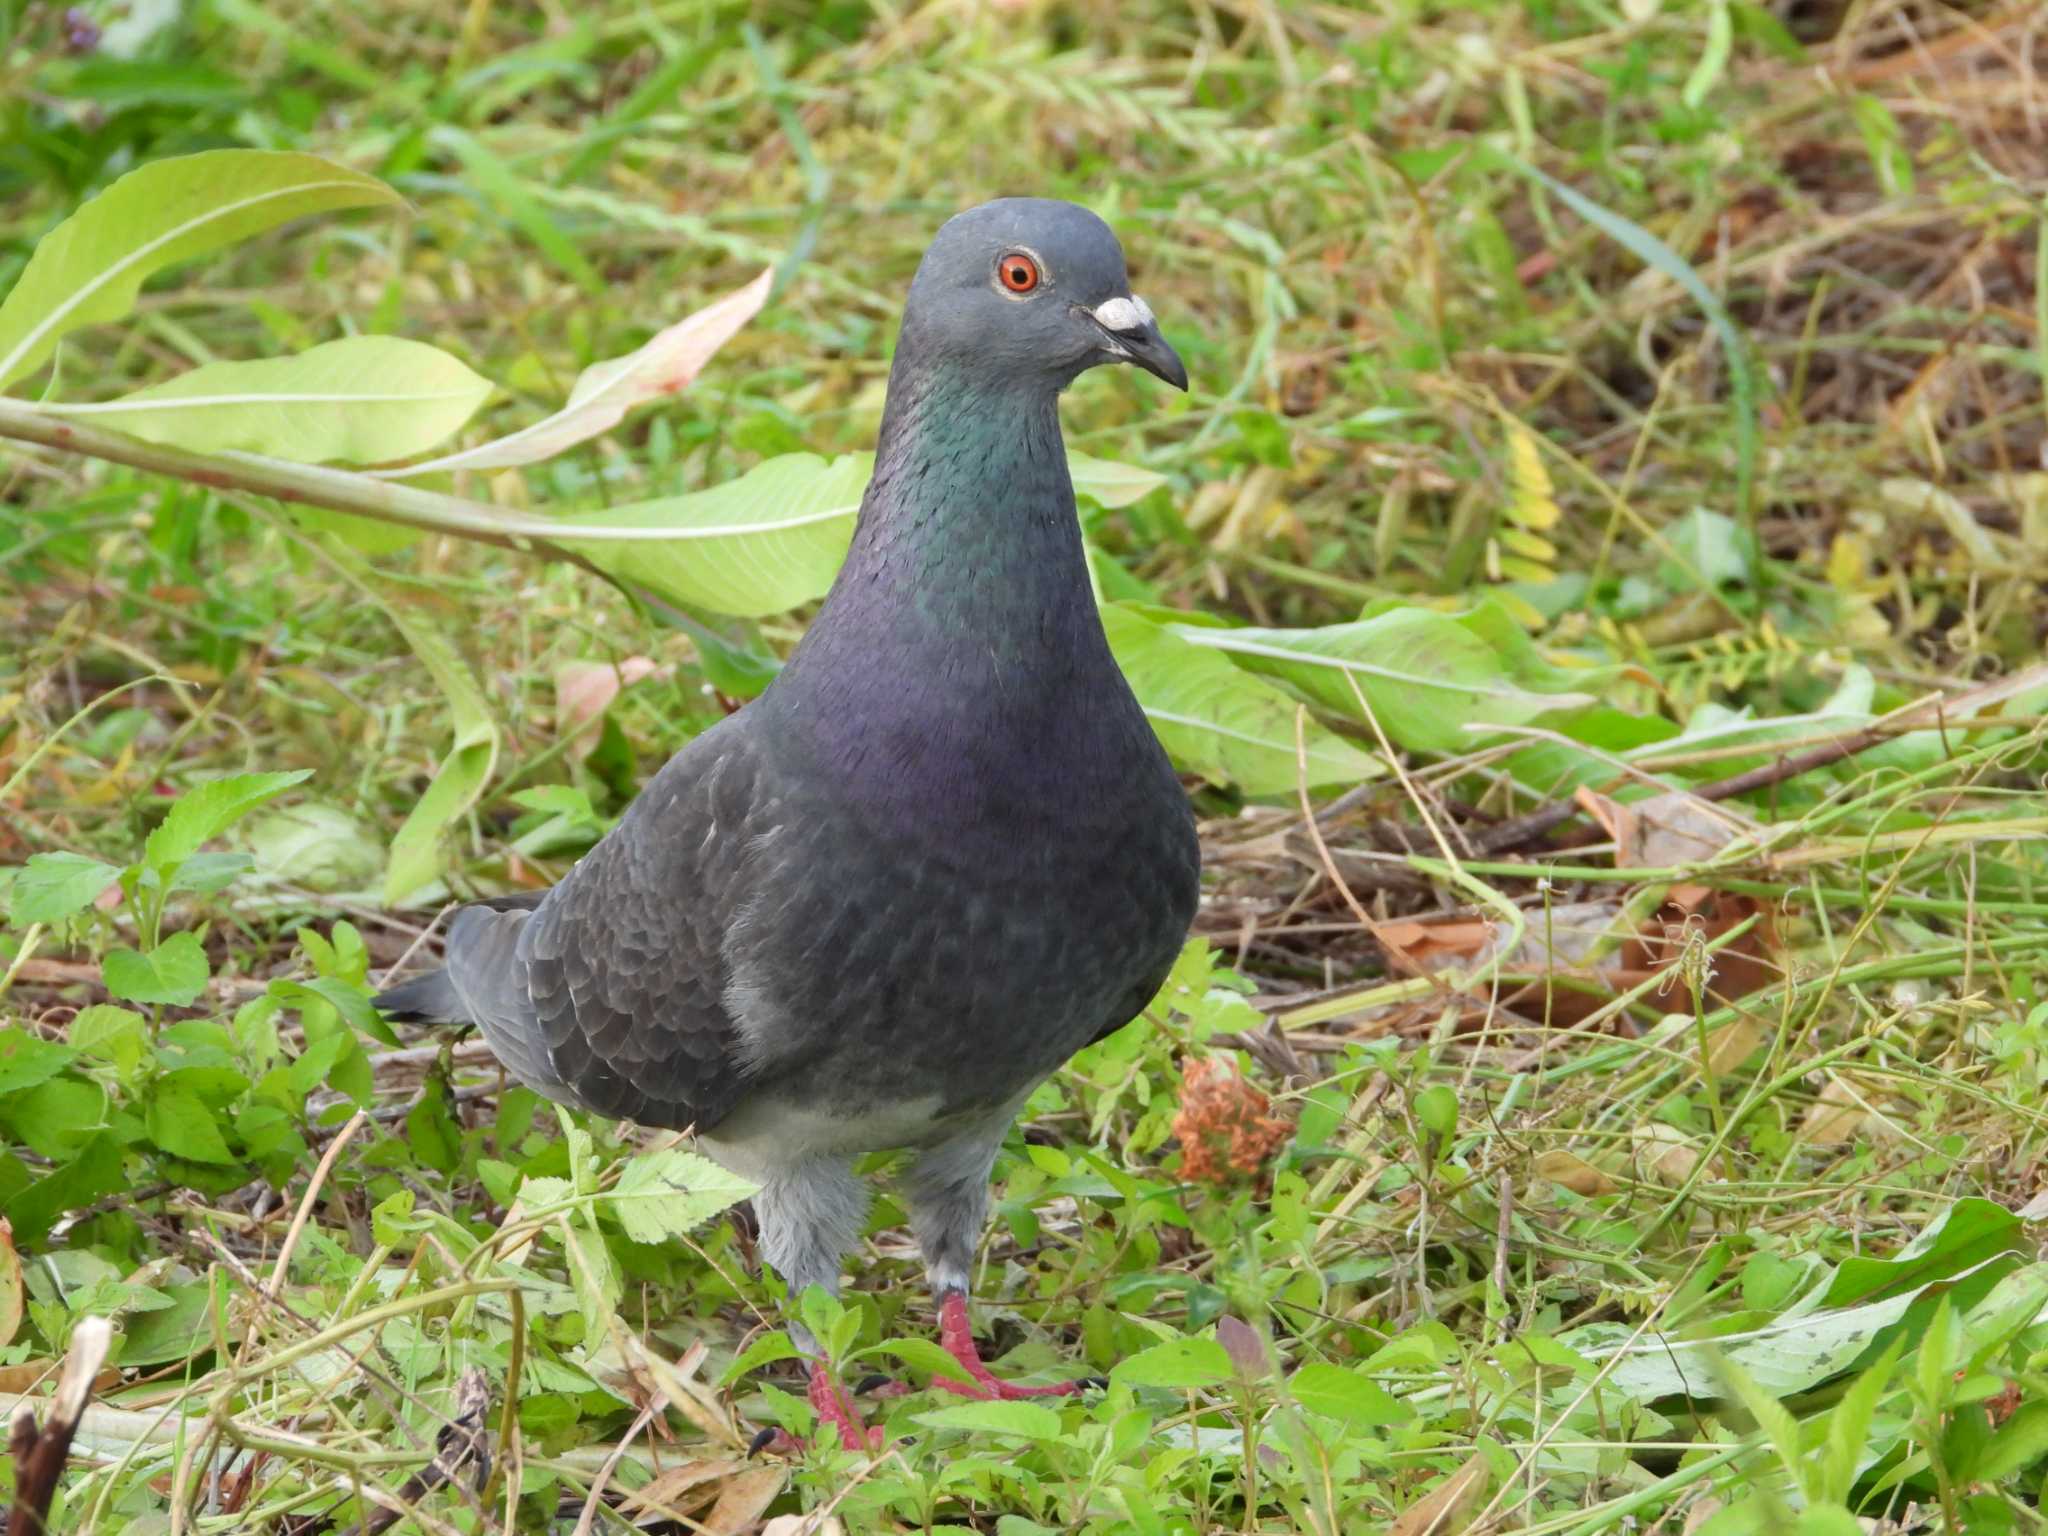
(39, 1453)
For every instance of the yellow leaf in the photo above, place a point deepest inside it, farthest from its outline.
(1532, 500)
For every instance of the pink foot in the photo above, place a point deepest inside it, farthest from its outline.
(957, 1338)
(834, 1406)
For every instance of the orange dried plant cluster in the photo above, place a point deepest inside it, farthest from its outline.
(1226, 1127)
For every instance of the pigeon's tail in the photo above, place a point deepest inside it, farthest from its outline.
(484, 983)
(428, 999)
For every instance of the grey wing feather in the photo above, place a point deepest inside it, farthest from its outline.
(609, 995)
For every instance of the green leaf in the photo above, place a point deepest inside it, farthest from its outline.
(1781, 1358)
(1219, 721)
(89, 268)
(767, 542)
(1966, 1234)
(662, 1195)
(416, 850)
(362, 400)
(1348, 1396)
(114, 1035)
(174, 972)
(1026, 1421)
(184, 1127)
(921, 1354)
(52, 886)
(95, 1171)
(2020, 1441)
(1177, 1363)
(1427, 675)
(766, 1349)
(595, 1279)
(206, 810)
(27, 1059)
(1110, 483)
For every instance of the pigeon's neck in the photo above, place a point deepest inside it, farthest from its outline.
(967, 548)
(958, 677)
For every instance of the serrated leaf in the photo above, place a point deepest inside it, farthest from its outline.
(361, 400)
(662, 1195)
(604, 392)
(184, 1127)
(206, 810)
(1219, 721)
(1026, 1421)
(1177, 1363)
(27, 1059)
(89, 268)
(52, 886)
(174, 972)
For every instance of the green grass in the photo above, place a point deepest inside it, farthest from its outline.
(1734, 414)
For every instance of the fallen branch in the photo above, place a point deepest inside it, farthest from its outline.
(40, 1453)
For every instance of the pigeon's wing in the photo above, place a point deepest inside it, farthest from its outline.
(624, 1008)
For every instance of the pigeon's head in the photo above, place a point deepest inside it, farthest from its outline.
(1037, 290)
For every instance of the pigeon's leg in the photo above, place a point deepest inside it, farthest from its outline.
(946, 1192)
(811, 1213)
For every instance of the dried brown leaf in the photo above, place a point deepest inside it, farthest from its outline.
(1447, 1507)
(1573, 1172)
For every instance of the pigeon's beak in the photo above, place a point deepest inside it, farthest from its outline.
(1134, 335)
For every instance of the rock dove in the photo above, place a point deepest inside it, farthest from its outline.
(941, 853)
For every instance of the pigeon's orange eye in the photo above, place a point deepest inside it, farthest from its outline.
(1018, 272)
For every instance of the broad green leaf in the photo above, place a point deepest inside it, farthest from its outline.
(1963, 1237)
(52, 886)
(1111, 483)
(767, 542)
(184, 1127)
(114, 1035)
(921, 1354)
(605, 391)
(174, 972)
(1427, 675)
(89, 269)
(1026, 1421)
(416, 849)
(94, 1171)
(1177, 1363)
(27, 1059)
(1348, 1395)
(1219, 721)
(662, 1195)
(362, 400)
(206, 810)
(1782, 1358)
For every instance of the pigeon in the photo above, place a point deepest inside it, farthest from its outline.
(944, 850)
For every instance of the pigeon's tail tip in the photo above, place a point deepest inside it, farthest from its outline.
(427, 999)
